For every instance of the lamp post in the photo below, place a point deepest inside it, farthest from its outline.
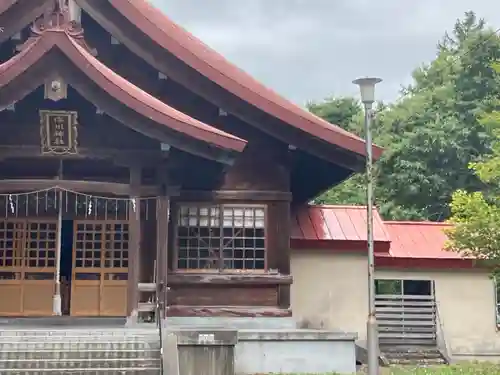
(367, 89)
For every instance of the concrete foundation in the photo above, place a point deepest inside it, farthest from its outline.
(275, 345)
(206, 352)
(295, 351)
(197, 348)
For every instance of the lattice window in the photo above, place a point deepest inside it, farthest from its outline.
(88, 245)
(116, 244)
(221, 237)
(102, 244)
(11, 237)
(40, 251)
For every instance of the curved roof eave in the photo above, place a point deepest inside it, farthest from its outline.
(118, 87)
(170, 36)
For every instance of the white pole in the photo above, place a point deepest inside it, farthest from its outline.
(367, 89)
(57, 303)
(371, 324)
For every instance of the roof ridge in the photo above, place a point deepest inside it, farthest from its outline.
(347, 206)
(423, 222)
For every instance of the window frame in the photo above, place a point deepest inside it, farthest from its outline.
(401, 282)
(198, 204)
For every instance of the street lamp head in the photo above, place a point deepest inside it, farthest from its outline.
(367, 88)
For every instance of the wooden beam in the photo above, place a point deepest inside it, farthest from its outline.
(134, 277)
(181, 279)
(230, 195)
(120, 156)
(113, 188)
(15, 15)
(228, 311)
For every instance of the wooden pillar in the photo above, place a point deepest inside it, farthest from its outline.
(134, 245)
(162, 220)
(279, 254)
(162, 212)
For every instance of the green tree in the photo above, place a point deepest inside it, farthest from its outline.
(347, 113)
(432, 133)
(476, 215)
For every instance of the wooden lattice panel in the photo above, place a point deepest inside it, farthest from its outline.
(27, 266)
(100, 268)
(116, 245)
(40, 248)
(88, 244)
(11, 239)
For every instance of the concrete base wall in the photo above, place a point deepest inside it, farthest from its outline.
(271, 350)
(296, 351)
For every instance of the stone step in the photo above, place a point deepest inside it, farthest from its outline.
(417, 355)
(78, 354)
(395, 355)
(407, 348)
(419, 362)
(84, 371)
(78, 345)
(80, 351)
(79, 332)
(80, 363)
(26, 338)
(39, 339)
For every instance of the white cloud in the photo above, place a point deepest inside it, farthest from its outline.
(311, 49)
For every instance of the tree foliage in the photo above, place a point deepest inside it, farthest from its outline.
(433, 132)
(476, 215)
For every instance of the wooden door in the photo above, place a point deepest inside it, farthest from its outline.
(100, 268)
(27, 266)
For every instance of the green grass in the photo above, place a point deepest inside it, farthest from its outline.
(459, 369)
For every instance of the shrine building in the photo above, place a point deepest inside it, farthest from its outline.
(134, 154)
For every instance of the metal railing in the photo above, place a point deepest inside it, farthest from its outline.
(406, 319)
(156, 306)
(159, 314)
(441, 338)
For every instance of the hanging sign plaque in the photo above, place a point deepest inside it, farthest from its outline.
(58, 132)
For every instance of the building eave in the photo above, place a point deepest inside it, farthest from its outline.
(169, 36)
(165, 118)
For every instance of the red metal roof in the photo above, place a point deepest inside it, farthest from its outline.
(329, 224)
(407, 245)
(116, 86)
(420, 245)
(418, 240)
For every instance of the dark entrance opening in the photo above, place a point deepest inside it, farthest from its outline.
(66, 264)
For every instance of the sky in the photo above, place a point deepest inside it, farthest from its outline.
(308, 50)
